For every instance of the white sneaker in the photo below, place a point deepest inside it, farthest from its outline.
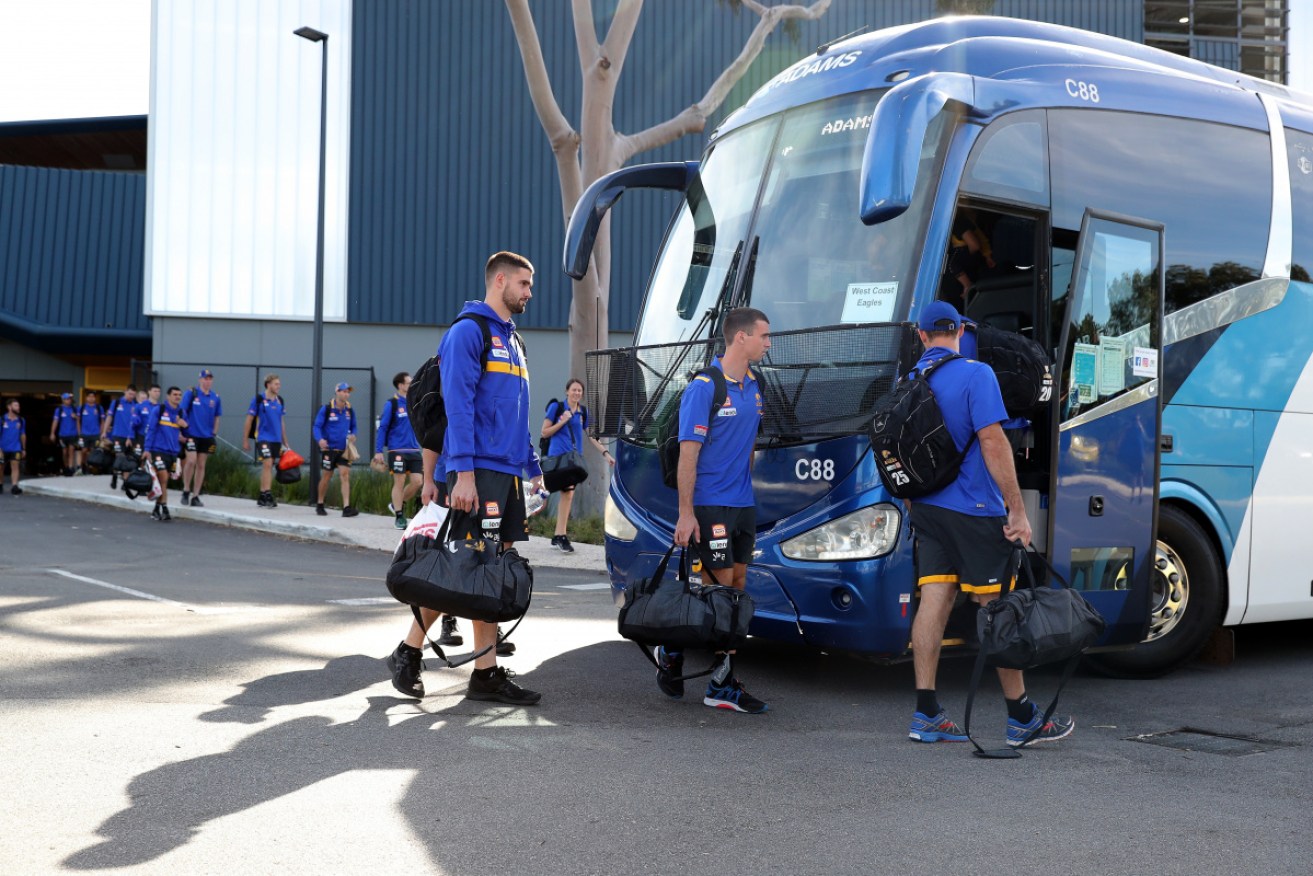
(391, 510)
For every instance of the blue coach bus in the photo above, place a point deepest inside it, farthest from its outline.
(1146, 218)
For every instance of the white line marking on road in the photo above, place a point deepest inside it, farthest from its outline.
(600, 585)
(126, 590)
(367, 600)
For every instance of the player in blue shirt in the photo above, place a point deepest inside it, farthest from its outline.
(202, 407)
(91, 422)
(565, 423)
(118, 427)
(965, 532)
(717, 509)
(403, 457)
(65, 428)
(335, 425)
(163, 445)
(13, 444)
(145, 410)
(265, 423)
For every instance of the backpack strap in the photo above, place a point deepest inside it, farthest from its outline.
(487, 333)
(719, 392)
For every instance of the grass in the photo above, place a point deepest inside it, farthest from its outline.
(231, 473)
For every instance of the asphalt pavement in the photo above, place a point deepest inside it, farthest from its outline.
(190, 698)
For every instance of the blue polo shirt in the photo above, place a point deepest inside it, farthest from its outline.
(200, 409)
(268, 415)
(11, 433)
(727, 438)
(333, 424)
(164, 430)
(142, 415)
(91, 416)
(67, 418)
(394, 429)
(571, 436)
(969, 400)
(120, 418)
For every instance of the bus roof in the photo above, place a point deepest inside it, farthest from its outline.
(983, 46)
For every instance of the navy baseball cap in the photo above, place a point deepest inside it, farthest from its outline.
(939, 316)
(66, 395)
(344, 386)
(205, 372)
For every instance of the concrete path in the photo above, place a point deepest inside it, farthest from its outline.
(300, 521)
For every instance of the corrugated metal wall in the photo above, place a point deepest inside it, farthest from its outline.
(71, 247)
(449, 163)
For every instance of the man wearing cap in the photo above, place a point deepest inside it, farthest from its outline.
(965, 533)
(335, 424)
(202, 409)
(64, 427)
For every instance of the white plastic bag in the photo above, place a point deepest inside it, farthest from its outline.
(155, 491)
(426, 523)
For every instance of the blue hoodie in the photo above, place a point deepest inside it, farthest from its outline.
(394, 429)
(487, 405)
(334, 424)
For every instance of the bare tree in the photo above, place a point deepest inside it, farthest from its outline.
(595, 148)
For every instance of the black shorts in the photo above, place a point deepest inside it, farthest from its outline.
(726, 535)
(268, 450)
(163, 461)
(11, 456)
(120, 444)
(139, 439)
(956, 548)
(328, 459)
(70, 440)
(406, 461)
(201, 445)
(499, 516)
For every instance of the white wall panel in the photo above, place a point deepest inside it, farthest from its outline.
(232, 187)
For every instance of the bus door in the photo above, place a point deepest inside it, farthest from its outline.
(1103, 500)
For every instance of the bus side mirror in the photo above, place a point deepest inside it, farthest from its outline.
(902, 119)
(581, 234)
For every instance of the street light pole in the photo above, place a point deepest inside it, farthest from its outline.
(317, 372)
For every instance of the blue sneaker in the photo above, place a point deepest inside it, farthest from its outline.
(1055, 729)
(936, 729)
(670, 665)
(733, 697)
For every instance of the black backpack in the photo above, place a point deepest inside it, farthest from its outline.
(1023, 369)
(914, 452)
(668, 430)
(428, 412)
(545, 441)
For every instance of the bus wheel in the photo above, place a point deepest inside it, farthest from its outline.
(1185, 602)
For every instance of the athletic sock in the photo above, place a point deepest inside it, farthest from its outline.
(1022, 710)
(927, 703)
(485, 674)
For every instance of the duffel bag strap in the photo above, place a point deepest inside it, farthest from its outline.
(447, 661)
(651, 658)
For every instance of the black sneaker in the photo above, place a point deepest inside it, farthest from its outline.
(196, 502)
(114, 482)
(670, 666)
(400, 522)
(17, 490)
(406, 665)
(499, 688)
(269, 497)
(165, 516)
(733, 698)
(350, 511)
(263, 500)
(186, 497)
(562, 543)
(319, 509)
(155, 512)
(449, 634)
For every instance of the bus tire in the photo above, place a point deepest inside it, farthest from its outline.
(1186, 602)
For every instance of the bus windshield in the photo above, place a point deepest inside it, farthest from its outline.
(816, 264)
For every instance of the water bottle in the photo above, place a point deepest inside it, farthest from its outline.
(534, 500)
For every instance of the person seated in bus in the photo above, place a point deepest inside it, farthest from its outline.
(969, 256)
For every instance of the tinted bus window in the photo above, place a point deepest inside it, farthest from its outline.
(1299, 146)
(1010, 162)
(1210, 184)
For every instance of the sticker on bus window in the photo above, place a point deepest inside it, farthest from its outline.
(1145, 362)
(870, 302)
(1084, 372)
(1112, 365)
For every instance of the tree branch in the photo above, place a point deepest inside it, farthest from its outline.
(559, 132)
(621, 34)
(694, 118)
(585, 34)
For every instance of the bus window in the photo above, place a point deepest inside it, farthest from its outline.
(1010, 160)
(1299, 147)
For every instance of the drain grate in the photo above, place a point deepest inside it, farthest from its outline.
(1191, 739)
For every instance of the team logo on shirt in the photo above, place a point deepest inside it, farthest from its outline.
(727, 412)
(718, 530)
(500, 353)
(491, 509)
(496, 341)
(699, 430)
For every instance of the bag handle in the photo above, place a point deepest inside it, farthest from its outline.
(682, 576)
(977, 670)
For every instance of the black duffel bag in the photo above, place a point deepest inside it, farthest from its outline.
(1029, 627)
(100, 459)
(288, 475)
(563, 471)
(138, 483)
(124, 463)
(679, 615)
(463, 578)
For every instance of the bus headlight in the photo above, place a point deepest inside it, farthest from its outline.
(870, 532)
(616, 524)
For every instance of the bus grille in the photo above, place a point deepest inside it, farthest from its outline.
(816, 383)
